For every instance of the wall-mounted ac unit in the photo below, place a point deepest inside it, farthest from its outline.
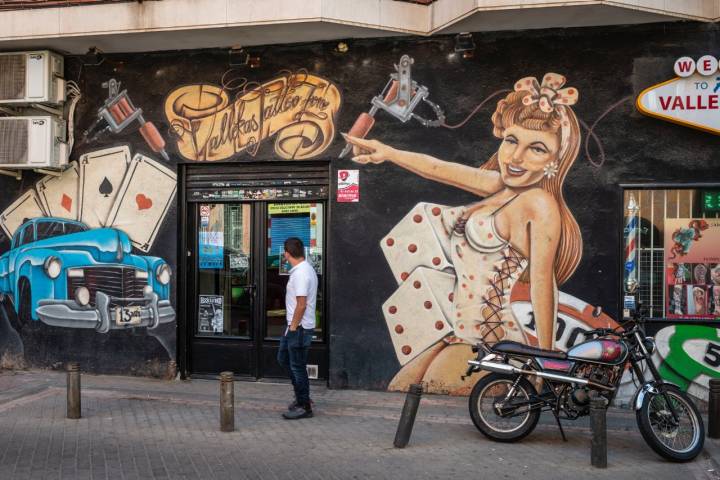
(31, 77)
(32, 142)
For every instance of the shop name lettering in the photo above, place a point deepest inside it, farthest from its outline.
(233, 123)
(698, 102)
(300, 108)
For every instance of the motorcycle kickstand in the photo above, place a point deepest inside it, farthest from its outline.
(557, 419)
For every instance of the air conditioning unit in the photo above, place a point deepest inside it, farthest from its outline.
(32, 142)
(31, 77)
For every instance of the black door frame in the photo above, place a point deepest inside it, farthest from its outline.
(264, 349)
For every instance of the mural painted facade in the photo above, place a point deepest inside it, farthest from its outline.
(520, 231)
(515, 234)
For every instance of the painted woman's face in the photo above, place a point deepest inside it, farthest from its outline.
(524, 154)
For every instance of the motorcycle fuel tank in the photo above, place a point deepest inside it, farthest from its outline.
(599, 350)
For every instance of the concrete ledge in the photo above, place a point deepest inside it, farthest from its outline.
(374, 17)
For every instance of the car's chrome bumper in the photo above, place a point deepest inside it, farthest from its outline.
(69, 314)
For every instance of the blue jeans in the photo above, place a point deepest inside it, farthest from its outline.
(293, 355)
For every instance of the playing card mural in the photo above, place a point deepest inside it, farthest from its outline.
(77, 247)
(490, 270)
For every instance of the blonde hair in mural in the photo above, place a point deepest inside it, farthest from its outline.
(513, 111)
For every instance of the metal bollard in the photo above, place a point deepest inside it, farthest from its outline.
(227, 402)
(598, 426)
(714, 409)
(73, 390)
(407, 418)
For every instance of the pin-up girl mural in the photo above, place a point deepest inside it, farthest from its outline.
(521, 230)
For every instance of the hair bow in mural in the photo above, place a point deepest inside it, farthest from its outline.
(549, 93)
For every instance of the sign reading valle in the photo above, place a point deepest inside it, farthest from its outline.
(691, 99)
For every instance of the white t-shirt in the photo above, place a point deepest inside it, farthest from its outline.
(302, 283)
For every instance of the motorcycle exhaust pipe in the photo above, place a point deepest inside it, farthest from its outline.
(505, 368)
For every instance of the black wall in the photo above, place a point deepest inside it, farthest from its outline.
(606, 65)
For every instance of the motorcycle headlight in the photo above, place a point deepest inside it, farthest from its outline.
(53, 267)
(649, 343)
(163, 274)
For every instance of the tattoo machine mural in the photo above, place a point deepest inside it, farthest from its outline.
(71, 262)
(399, 98)
(118, 112)
(402, 95)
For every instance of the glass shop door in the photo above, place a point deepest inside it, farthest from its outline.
(225, 289)
(236, 284)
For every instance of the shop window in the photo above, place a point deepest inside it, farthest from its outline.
(225, 285)
(284, 220)
(671, 255)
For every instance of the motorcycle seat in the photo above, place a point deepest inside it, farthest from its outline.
(515, 348)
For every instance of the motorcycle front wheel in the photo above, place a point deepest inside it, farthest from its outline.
(499, 415)
(678, 441)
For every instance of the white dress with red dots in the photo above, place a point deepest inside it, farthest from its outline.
(486, 267)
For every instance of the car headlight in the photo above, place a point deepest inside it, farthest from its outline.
(162, 273)
(82, 296)
(53, 267)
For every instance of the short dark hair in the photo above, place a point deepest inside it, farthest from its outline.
(294, 246)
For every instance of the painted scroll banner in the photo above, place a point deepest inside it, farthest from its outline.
(298, 108)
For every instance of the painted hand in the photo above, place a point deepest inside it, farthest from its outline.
(368, 151)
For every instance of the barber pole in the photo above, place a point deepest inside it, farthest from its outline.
(631, 229)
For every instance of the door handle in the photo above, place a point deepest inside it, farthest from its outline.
(252, 287)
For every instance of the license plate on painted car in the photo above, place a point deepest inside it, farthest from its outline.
(127, 315)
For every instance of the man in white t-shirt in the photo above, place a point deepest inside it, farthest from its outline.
(300, 300)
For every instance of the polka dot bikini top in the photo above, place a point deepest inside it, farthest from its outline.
(478, 228)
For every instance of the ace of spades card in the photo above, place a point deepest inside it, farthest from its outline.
(419, 239)
(27, 206)
(101, 174)
(58, 195)
(143, 200)
(418, 313)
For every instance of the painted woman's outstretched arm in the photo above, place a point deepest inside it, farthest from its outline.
(475, 180)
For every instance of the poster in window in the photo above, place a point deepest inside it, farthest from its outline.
(239, 262)
(692, 268)
(210, 315)
(211, 250)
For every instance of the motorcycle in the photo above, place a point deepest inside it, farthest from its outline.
(505, 405)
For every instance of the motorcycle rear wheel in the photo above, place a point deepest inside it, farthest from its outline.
(493, 388)
(657, 425)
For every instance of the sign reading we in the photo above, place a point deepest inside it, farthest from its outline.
(691, 99)
(215, 123)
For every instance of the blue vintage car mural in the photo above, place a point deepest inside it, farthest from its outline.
(65, 274)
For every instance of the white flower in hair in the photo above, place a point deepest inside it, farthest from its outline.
(551, 169)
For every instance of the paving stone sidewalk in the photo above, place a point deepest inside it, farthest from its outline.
(134, 428)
